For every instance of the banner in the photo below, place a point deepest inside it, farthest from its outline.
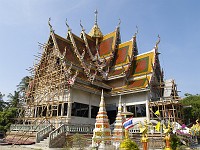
(128, 123)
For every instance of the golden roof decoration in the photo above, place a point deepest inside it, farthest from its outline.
(95, 31)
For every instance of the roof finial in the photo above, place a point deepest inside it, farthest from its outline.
(96, 12)
(82, 26)
(120, 104)
(157, 41)
(136, 31)
(102, 94)
(119, 23)
(49, 23)
(95, 32)
(67, 25)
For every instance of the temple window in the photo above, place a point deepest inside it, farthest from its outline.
(80, 110)
(39, 110)
(111, 112)
(49, 113)
(137, 110)
(44, 111)
(54, 110)
(94, 111)
(65, 109)
(59, 109)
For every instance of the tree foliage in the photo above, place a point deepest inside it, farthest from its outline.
(14, 99)
(7, 113)
(3, 104)
(8, 109)
(128, 144)
(192, 107)
(6, 118)
(23, 85)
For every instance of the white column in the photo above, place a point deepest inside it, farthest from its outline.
(90, 106)
(35, 115)
(69, 105)
(62, 109)
(147, 107)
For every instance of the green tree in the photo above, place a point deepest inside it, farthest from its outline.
(3, 104)
(23, 85)
(6, 118)
(192, 107)
(14, 100)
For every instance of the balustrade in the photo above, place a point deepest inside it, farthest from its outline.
(70, 128)
(43, 132)
(26, 127)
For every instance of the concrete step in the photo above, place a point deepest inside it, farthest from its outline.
(44, 143)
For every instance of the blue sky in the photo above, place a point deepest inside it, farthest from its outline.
(24, 23)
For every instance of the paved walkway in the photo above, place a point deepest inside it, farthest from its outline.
(34, 147)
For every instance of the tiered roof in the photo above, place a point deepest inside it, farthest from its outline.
(104, 62)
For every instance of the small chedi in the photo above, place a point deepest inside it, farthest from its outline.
(102, 132)
(118, 132)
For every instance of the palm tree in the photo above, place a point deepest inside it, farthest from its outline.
(23, 86)
(2, 103)
(14, 100)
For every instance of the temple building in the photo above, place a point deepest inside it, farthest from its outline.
(66, 83)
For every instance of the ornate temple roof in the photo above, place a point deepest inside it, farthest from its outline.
(103, 61)
(95, 32)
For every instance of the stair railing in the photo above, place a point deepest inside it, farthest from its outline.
(69, 128)
(40, 135)
(56, 133)
(33, 129)
(19, 127)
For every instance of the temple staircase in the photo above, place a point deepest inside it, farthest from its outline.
(44, 144)
(26, 134)
(44, 135)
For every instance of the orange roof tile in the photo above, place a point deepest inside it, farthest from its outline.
(64, 43)
(107, 45)
(143, 64)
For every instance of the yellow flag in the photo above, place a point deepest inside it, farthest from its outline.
(164, 127)
(157, 112)
(157, 127)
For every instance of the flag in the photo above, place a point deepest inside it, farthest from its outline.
(157, 113)
(157, 127)
(164, 127)
(128, 123)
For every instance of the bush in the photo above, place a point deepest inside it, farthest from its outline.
(182, 147)
(128, 144)
(76, 141)
(174, 141)
(6, 118)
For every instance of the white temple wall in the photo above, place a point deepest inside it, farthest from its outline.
(81, 120)
(84, 97)
(132, 99)
(80, 96)
(129, 99)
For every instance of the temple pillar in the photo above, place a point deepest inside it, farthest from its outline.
(69, 107)
(90, 106)
(147, 109)
(35, 113)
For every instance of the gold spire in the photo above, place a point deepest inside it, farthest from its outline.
(50, 26)
(157, 42)
(95, 32)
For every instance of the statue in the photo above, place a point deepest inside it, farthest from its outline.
(167, 136)
(144, 130)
